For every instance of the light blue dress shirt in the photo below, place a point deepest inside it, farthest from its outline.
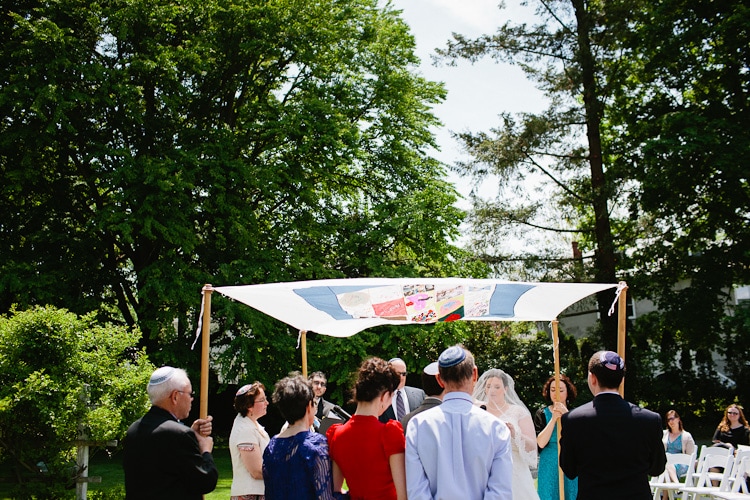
(458, 450)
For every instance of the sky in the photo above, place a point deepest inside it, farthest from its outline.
(477, 93)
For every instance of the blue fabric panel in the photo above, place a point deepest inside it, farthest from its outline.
(504, 299)
(324, 299)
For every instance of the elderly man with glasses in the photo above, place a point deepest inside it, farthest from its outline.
(405, 398)
(165, 458)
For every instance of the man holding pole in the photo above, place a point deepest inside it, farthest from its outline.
(165, 459)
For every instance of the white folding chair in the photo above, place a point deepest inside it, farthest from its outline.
(708, 459)
(738, 490)
(711, 455)
(663, 483)
(737, 478)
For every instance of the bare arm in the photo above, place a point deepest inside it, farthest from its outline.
(252, 459)
(542, 439)
(398, 472)
(338, 478)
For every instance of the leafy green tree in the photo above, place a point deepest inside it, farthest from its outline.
(63, 375)
(680, 119)
(152, 146)
(559, 149)
(526, 354)
(735, 346)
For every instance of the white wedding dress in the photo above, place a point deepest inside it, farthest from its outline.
(523, 483)
(496, 390)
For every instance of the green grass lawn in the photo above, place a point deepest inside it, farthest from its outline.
(110, 470)
(113, 477)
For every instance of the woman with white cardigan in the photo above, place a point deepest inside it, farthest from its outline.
(677, 440)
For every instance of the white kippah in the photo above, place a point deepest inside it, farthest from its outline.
(161, 375)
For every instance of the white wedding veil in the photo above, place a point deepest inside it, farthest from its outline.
(525, 442)
(510, 387)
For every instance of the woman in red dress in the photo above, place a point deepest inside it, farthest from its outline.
(367, 453)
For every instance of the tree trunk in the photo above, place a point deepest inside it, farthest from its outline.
(605, 255)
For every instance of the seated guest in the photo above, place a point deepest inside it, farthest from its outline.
(733, 429)
(296, 465)
(367, 453)
(677, 440)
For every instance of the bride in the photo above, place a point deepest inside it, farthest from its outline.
(495, 391)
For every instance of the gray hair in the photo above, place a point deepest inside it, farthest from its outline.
(165, 380)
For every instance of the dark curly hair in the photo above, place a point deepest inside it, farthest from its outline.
(374, 377)
(245, 397)
(572, 391)
(292, 396)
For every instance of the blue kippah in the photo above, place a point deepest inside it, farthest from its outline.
(451, 356)
(611, 360)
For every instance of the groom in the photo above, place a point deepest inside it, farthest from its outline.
(456, 450)
(612, 446)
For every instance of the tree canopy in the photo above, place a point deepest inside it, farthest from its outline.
(680, 121)
(558, 152)
(642, 153)
(148, 147)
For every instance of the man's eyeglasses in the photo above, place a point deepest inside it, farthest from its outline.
(191, 393)
(319, 382)
(403, 374)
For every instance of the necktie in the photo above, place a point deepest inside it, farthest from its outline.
(399, 406)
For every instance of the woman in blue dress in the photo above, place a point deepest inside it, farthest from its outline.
(677, 440)
(296, 465)
(545, 423)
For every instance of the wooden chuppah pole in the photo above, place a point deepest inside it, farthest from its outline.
(556, 354)
(303, 335)
(622, 316)
(205, 345)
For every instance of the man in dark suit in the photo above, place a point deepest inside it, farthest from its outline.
(612, 446)
(432, 389)
(405, 398)
(164, 458)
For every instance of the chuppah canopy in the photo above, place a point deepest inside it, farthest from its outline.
(344, 307)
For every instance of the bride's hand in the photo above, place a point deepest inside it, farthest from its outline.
(512, 430)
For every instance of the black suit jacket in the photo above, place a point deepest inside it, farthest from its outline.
(162, 460)
(325, 416)
(324, 409)
(612, 446)
(414, 396)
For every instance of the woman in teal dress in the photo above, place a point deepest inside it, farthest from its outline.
(545, 422)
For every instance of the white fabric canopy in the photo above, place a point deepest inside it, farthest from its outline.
(344, 307)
